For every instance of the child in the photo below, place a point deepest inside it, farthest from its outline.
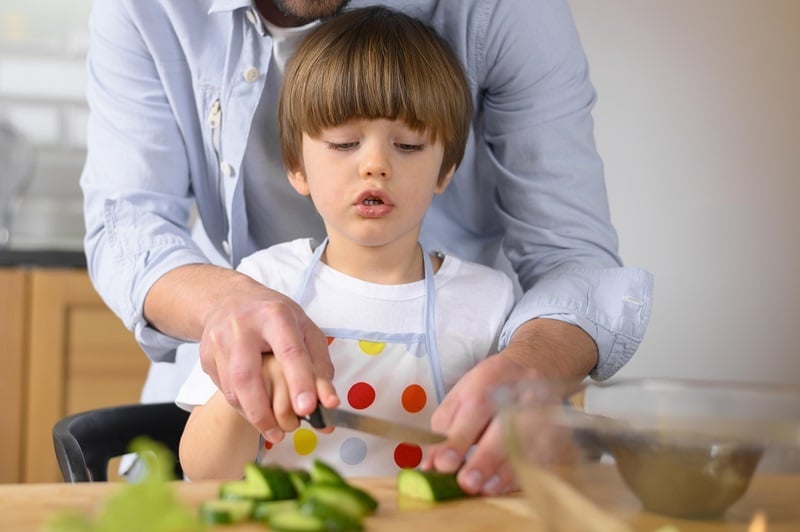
(374, 112)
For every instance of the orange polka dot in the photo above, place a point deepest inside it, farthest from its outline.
(414, 398)
(360, 395)
(407, 455)
(331, 339)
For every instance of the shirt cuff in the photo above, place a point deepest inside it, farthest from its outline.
(612, 305)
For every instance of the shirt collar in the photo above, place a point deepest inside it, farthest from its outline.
(218, 6)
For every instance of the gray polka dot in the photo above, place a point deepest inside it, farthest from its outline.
(353, 451)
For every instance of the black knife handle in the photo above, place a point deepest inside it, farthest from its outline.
(315, 418)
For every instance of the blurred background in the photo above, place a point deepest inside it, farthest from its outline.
(698, 123)
(42, 86)
(697, 120)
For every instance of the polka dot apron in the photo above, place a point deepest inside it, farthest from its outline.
(395, 376)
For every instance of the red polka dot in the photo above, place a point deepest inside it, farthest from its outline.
(360, 395)
(407, 455)
(267, 445)
(331, 339)
(414, 398)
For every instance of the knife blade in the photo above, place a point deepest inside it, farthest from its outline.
(323, 417)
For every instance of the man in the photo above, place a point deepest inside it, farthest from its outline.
(182, 98)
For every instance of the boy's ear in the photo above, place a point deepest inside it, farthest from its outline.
(298, 181)
(444, 180)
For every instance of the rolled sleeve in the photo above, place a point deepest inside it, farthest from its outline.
(612, 305)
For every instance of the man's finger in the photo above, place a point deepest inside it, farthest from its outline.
(469, 419)
(487, 469)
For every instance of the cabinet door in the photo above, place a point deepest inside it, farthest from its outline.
(13, 299)
(80, 357)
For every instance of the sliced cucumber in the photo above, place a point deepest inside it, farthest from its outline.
(296, 521)
(220, 511)
(279, 485)
(430, 486)
(264, 509)
(242, 490)
(322, 473)
(333, 518)
(349, 499)
(300, 478)
(260, 484)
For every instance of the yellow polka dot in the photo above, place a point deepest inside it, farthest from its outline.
(371, 348)
(305, 441)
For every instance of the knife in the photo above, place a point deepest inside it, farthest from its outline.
(323, 417)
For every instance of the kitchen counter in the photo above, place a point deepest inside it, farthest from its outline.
(44, 258)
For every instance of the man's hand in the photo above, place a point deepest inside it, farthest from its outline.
(236, 319)
(539, 348)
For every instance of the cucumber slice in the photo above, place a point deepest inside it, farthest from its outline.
(300, 478)
(264, 509)
(260, 484)
(279, 485)
(220, 511)
(432, 486)
(242, 490)
(296, 521)
(322, 473)
(348, 499)
(333, 518)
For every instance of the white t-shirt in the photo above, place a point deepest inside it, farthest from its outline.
(472, 304)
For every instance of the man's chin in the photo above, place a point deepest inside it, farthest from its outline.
(305, 11)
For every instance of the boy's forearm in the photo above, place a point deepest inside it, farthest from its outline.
(217, 442)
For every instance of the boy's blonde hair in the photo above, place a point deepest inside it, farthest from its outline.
(374, 63)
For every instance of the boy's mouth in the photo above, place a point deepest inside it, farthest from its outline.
(372, 200)
(373, 204)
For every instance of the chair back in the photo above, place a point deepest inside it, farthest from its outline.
(85, 442)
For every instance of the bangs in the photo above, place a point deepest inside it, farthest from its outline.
(374, 64)
(368, 82)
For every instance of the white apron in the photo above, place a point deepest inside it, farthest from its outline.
(393, 376)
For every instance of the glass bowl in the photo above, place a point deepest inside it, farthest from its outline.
(626, 455)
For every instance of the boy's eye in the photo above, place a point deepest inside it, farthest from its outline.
(410, 147)
(342, 146)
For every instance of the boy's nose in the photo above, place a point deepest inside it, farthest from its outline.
(375, 164)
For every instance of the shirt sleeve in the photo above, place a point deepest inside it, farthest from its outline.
(196, 390)
(550, 192)
(135, 181)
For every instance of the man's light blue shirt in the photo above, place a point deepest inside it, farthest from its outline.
(174, 91)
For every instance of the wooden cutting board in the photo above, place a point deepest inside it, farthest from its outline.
(27, 507)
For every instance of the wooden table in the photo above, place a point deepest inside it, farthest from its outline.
(26, 507)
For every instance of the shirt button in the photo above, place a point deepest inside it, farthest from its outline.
(251, 74)
(227, 169)
(226, 247)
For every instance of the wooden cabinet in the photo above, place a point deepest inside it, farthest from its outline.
(67, 353)
(13, 309)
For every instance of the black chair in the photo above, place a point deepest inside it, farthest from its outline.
(85, 442)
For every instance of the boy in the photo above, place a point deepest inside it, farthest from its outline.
(375, 111)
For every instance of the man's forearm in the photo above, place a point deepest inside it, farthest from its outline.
(180, 301)
(552, 348)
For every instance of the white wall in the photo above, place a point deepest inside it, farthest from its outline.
(698, 122)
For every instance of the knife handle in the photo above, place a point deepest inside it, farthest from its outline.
(315, 418)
